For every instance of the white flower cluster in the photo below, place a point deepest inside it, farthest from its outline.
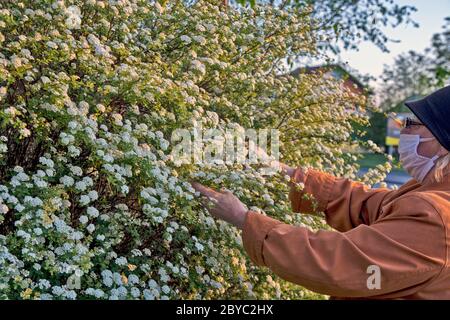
(73, 20)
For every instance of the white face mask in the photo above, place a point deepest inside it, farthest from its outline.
(416, 165)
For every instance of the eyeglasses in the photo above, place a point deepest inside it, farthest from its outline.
(408, 122)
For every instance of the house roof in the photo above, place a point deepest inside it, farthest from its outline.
(330, 67)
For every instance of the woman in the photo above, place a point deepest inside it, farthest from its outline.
(389, 244)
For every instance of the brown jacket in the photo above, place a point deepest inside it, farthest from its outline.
(405, 233)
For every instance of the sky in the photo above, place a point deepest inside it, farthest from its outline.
(430, 15)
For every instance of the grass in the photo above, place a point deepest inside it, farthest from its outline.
(371, 160)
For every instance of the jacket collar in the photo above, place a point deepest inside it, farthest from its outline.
(433, 184)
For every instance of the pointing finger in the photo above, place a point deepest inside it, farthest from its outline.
(205, 191)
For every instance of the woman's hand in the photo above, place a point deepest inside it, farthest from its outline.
(223, 205)
(274, 164)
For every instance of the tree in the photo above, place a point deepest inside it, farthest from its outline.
(410, 75)
(416, 74)
(440, 49)
(351, 22)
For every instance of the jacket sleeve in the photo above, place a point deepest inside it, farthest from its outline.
(346, 203)
(339, 264)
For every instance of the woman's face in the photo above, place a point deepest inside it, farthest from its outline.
(427, 149)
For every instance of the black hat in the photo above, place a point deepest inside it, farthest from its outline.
(434, 112)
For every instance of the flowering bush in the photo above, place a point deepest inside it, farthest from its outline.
(93, 205)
